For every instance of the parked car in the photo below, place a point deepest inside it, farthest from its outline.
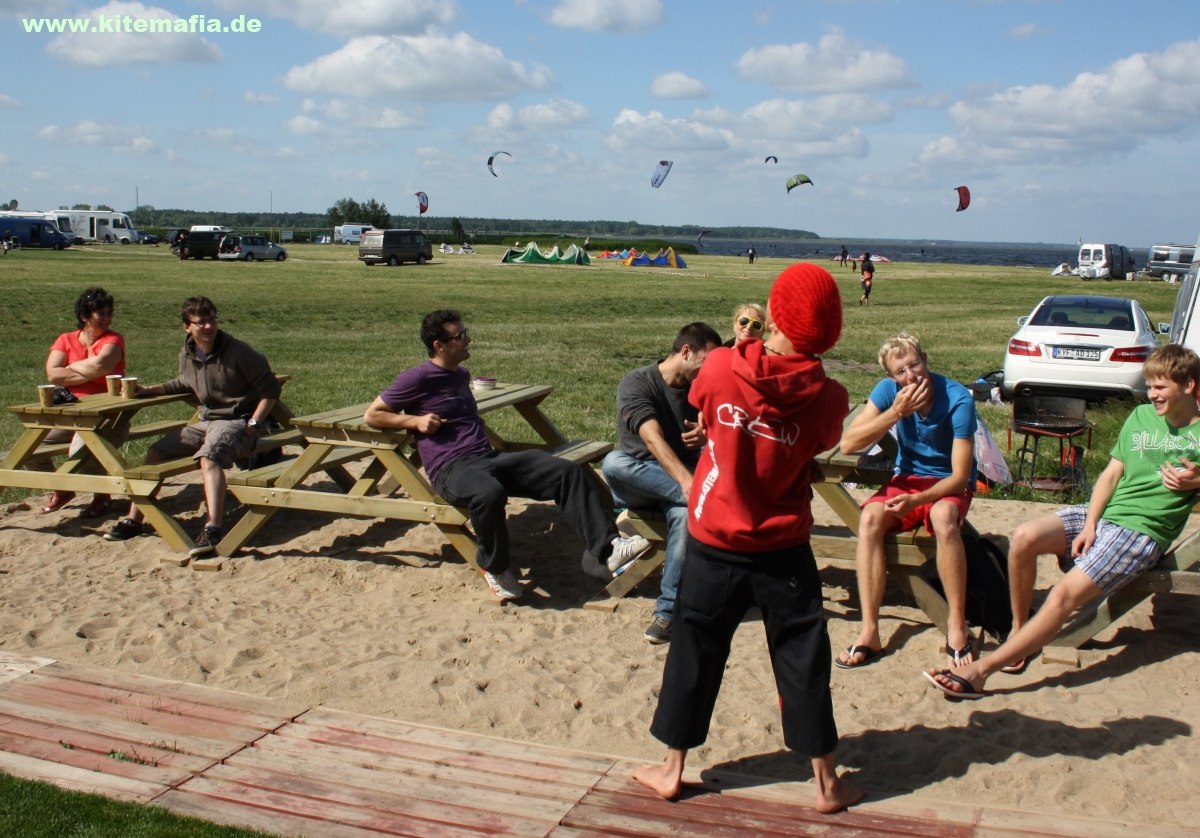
(1080, 345)
(250, 249)
(147, 238)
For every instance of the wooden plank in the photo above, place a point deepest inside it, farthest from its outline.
(79, 779)
(269, 821)
(441, 824)
(104, 756)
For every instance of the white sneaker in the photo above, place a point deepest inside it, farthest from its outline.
(504, 584)
(626, 550)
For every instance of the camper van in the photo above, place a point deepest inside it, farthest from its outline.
(1184, 327)
(101, 226)
(350, 233)
(1104, 261)
(394, 247)
(32, 230)
(1170, 261)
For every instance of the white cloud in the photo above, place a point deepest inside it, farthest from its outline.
(303, 124)
(652, 132)
(7, 101)
(608, 15)
(353, 114)
(835, 65)
(1144, 96)
(346, 17)
(252, 98)
(112, 135)
(677, 85)
(110, 49)
(1023, 31)
(423, 67)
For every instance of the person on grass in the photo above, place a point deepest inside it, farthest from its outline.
(434, 401)
(767, 409)
(79, 360)
(1140, 504)
(934, 422)
(236, 390)
(658, 443)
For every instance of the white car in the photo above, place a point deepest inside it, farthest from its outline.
(1080, 345)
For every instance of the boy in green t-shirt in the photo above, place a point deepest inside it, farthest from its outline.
(1139, 505)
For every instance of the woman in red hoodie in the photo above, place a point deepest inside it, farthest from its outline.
(767, 409)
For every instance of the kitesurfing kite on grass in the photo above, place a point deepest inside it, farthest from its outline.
(964, 198)
(492, 159)
(796, 180)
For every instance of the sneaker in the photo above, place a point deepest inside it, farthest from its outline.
(504, 584)
(207, 541)
(124, 530)
(659, 631)
(626, 550)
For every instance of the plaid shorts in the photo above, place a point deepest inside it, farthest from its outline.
(1115, 557)
(221, 440)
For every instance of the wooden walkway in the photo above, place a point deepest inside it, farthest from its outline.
(239, 759)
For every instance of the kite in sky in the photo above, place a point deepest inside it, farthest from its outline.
(492, 159)
(796, 180)
(964, 198)
(703, 233)
(770, 157)
(422, 202)
(660, 173)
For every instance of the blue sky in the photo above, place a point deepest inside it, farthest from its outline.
(1066, 119)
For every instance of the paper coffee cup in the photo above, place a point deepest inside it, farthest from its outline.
(113, 382)
(46, 395)
(485, 382)
(128, 386)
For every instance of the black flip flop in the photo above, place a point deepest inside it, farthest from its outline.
(868, 656)
(968, 692)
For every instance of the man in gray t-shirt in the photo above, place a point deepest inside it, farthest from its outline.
(658, 443)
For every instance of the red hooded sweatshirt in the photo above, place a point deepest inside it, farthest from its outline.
(766, 417)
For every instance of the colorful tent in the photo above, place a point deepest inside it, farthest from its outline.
(532, 254)
(663, 259)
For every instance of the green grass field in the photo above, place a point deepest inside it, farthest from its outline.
(342, 330)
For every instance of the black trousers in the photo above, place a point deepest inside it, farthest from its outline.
(484, 485)
(714, 595)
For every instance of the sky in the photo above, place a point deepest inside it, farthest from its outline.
(1067, 119)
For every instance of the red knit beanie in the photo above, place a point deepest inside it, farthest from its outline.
(807, 308)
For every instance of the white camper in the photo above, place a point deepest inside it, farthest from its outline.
(101, 226)
(1104, 261)
(350, 233)
(1184, 327)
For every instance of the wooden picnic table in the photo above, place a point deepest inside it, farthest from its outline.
(103, 423)
(336, 437)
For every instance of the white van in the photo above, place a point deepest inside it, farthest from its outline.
(350, 233)
(1184, 327)
(1104, 261)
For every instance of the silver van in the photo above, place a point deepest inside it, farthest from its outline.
(1170, 261)
(394, 247)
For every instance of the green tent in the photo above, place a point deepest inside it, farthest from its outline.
(532, 254)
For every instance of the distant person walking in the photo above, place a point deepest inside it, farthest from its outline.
(868, 279)
(844, 256)
(751, 254)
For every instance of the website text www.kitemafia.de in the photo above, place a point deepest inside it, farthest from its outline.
(118, 24)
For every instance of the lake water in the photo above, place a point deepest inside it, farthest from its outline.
(1015, 254)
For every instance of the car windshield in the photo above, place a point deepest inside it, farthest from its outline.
(1088, 314)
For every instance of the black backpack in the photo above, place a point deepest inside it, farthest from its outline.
(988, 603)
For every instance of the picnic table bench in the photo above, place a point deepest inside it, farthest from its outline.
(341, 436)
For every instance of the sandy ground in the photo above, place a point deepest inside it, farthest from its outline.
(386, 619)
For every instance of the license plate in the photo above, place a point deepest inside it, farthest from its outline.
(1073, 353)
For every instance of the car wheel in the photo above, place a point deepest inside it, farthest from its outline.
(281, 257)
(421, 259)
(249, 257)
(393, 261)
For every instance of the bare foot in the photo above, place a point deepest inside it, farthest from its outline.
(662, 779)
(838, 795)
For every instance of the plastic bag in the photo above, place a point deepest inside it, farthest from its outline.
(989, 457)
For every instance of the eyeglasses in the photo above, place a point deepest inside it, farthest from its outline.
(754, 323)
(207, 321)
(463, 335)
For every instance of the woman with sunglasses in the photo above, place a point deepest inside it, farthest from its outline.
(79, 360)
(748, 322)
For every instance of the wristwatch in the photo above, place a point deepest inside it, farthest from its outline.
(252, 423)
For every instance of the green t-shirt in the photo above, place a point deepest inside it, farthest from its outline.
(1141, 502)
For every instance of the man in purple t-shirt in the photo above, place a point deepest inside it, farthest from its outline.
(434, 401)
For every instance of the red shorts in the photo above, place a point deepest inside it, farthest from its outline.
(908, 484)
